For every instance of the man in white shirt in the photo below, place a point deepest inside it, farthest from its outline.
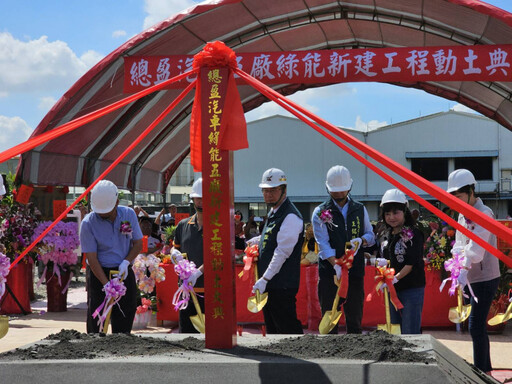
(279, 256)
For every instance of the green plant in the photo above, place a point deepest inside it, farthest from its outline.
(169, 233)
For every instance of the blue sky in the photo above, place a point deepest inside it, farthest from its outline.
(45, 46)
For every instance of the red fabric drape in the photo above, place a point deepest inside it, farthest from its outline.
(233, 128)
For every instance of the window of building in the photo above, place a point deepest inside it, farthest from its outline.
(258, 209)
(481, 167)
(432, 169)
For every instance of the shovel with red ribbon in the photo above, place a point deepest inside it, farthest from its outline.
(331, 318)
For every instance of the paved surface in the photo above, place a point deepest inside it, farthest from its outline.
(36, 326)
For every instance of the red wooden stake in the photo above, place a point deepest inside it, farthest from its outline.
(218, 211)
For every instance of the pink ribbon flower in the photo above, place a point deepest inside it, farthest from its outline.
(184, 269)
(114, 291)
(126, 228)
(326, 218)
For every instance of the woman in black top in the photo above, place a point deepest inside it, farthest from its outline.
(404, 248)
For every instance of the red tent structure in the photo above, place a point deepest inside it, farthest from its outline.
(78, 157)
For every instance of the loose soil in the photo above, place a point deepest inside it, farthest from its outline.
(71, 344)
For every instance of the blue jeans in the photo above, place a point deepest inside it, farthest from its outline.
(485, 292)
(409, 317)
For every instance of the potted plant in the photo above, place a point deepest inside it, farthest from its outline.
(57, 252)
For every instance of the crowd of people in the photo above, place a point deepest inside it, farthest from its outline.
(284, 241)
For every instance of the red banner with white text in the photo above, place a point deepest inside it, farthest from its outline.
(450, 63)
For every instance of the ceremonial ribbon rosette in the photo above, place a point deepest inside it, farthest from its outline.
(126, 228)
(454, 266)
(184, 269)
(325, 216)
(251, 256)
(5, 263)
(114, 291)
(385, 275)
(345, 262)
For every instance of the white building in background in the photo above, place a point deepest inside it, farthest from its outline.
(432, 146)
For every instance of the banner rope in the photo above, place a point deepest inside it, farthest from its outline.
(111, 166)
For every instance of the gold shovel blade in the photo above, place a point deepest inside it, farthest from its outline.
(393, 329)
(459, 317)
(198, 322)
(257, 302)
(501, 317)
(329, 321)
(4, 325)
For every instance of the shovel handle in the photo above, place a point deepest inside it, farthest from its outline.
(386, 303)
(459, 301)
(196, 304)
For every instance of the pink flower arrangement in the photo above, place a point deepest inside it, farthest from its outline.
(144, 264)
(406, 235)
(184, 269)
(126, 228)
(5, 263)
(58, 248)
(145, 306)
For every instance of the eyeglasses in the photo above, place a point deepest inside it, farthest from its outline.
(270, 190)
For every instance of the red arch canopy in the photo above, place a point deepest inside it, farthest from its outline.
(255, 26)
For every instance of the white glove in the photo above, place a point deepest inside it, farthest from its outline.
(176, 256)
(193, 278)
(382, 262)
(356, 244)
(463, 278)
(337, 268)
(395, 280)
(253, 240)
(457, 249)
(383, 286)
(260, 285)
(123, 269)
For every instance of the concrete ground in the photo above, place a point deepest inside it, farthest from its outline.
(24, 330)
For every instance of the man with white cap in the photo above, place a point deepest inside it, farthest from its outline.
(279, 256)
(111, 239)
(188, 239)
(481, 269)
(338, 220)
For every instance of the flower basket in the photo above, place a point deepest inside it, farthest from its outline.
(57, 253)
(56, 291)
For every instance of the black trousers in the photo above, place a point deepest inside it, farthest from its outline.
(185, 324)
(280, 312)
(121, 322)
(352, 307)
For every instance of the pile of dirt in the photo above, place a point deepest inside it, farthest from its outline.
(71, 344)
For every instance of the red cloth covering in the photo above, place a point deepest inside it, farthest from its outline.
(17, 280)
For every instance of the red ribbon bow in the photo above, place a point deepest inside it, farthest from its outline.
(386, 275)
(233, 127)
(345, 262)
(251, 256)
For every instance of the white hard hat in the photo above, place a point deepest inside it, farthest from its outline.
(458, 179)
(338, 179)
(104, 197)
(272, 177)
(2, 188)
(197, 188)
(393, 196)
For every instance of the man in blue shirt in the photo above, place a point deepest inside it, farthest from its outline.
(344, 220)
(111, 239)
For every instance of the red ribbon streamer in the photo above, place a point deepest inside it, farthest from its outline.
(420, 182)
(78, 122)
(233, 128)
(345, 262)
(106, 172)
(386, 275)
(251, 256)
